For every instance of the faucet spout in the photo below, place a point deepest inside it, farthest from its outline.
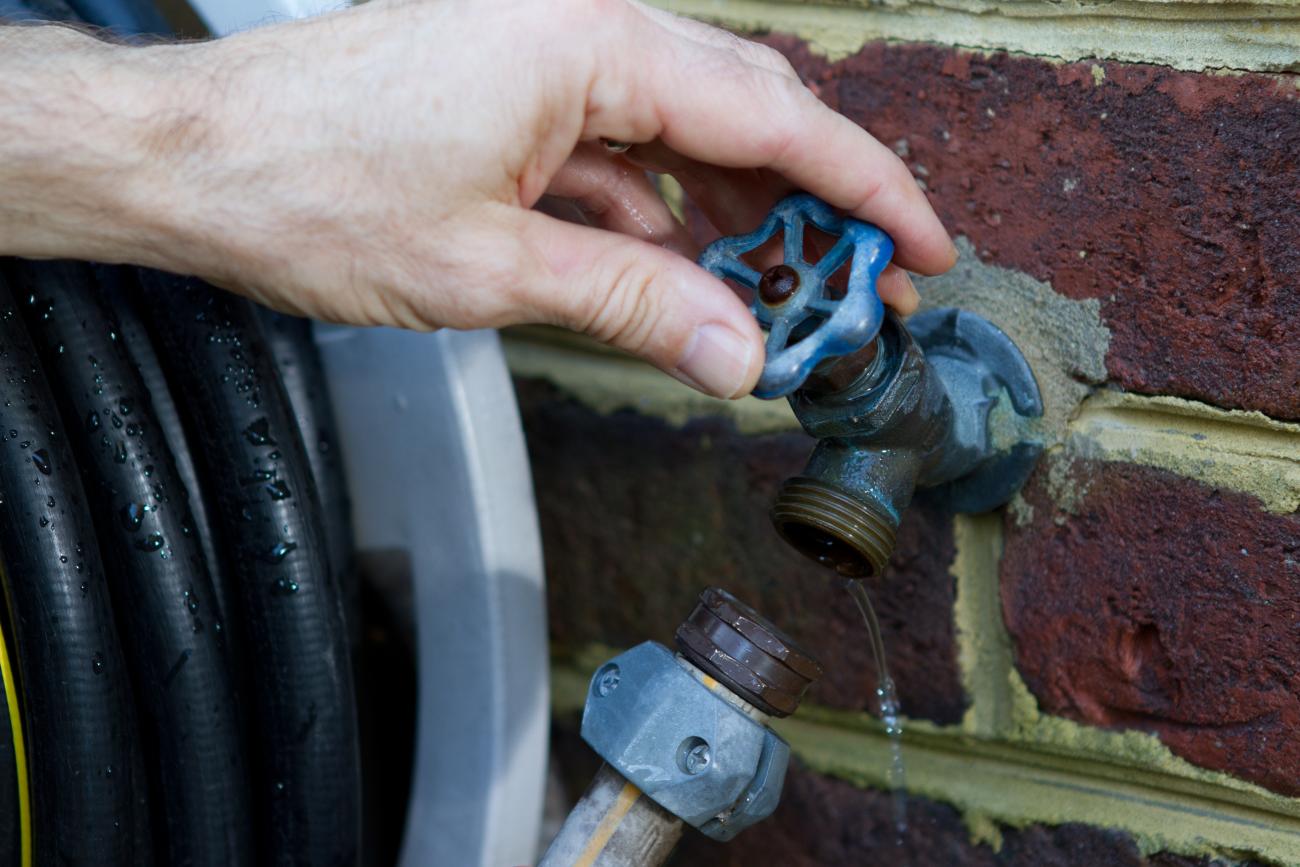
(880, 426)
(913, 412)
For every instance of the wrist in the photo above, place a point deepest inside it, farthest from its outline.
(95, 140)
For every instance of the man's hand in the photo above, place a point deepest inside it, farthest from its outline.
(380, 165)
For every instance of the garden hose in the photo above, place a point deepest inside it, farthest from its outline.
(113, 281)
(172, 632)
(88, 790)
(15, 803)
(296, 357)
(260, 552)
(267, 520)
(37, 10)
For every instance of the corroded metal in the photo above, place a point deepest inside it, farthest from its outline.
(947, 405)
(685, 737)
(807, 322)
(732, 642)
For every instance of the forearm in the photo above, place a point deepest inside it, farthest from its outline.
(95, 140)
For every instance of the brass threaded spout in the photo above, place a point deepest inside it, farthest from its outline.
(821, 521)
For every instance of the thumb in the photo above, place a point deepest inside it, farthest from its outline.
(643, 299)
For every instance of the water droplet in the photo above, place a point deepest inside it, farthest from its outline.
(49, 502)
(278, 490)
(119, 454)
(41, 458)
(97, 663)
(84, 588)
(92, 421)
(132, 515)
(152, 542)
(133, 430)
(108, 771)
(117, 422)
(45, 521)
(284, 586)
(124, 407)
(258, 433)
(279, 551)
(63, 558)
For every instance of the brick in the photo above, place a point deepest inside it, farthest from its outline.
(1169, 196)
(638, 517)
(1141, 599)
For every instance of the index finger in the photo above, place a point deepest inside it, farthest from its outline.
(713, 106)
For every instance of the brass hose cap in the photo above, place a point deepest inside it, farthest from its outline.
(849, 535)
(733, 643)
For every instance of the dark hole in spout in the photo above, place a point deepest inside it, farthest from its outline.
(822, 521)
(834, 553)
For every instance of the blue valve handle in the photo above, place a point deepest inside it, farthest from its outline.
(840, 327)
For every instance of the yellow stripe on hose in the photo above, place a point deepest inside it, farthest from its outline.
(608, 825)
(20, 754)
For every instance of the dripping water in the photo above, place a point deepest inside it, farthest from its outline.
(887, 705)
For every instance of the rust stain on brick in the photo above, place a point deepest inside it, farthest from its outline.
(1161, 604)
(1168, 196)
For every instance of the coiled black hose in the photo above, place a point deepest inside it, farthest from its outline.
(299, 364)
(171, 629)
(117, 288)
(125, 17)
(87, 780)
(36, 10)
(269, 530)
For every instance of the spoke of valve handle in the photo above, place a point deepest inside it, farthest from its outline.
(793, 240)
(779, 334)
(835, 258)
(741, 273)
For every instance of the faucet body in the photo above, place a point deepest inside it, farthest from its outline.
(920, 413)
(947, 404)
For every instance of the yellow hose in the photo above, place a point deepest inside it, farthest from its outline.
(20, 753)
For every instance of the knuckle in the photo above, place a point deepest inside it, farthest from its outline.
(626, 311)
(766, 55)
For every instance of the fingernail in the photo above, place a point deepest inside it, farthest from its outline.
(914, 297)
(716, 361)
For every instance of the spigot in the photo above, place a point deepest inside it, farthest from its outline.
(945, 402)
